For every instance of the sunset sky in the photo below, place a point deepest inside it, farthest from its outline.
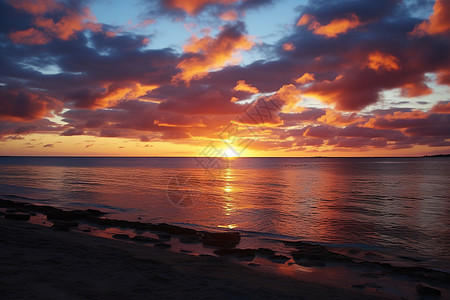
(224, 77)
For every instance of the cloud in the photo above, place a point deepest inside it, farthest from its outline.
(48, 146)
(207, 53)
(288, 47)
(338, 119)
(229, 15)
(196, 7)
(442, 107)
(23, 105)
(333, 29)
(30, 36)
(111, 94)
(69, 21)
(382, 61)
(35, 7)
(72, 131)
(305, 78)
(438, 22)
(241, 85)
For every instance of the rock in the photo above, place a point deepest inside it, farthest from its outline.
(18, 216)
(310, 263)
(307, 251)
(371, 255)
(172, 229)
(64, 225)
(59, 214)
(189, 239)
(163, 245)
(359, 286)
(265, 252)
(144, 239)
(221, 239)
(163, 237)
(279, 259)
(246, 254)
(427, 290)
(121, 236)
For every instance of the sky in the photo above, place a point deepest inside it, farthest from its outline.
(224, 77)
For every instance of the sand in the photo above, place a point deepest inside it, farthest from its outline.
(42, 263)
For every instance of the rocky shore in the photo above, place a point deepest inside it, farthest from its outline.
(39, 262)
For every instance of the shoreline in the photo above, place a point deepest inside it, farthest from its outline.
(42, 263)
(223, 246)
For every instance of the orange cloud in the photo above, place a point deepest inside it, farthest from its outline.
(338, 119)
(192, 6)
(242, 86)
(69, 25)
(438, 22)
(396, 120)
(305, 78)
(26, 106)
(415, 89)
(331, 30)
(377, 61)
(35, 7)
(65, 28)
(114, 93)
(30, 36)
(288, 47)
(290, 95)
(211, 53)
(229, 15)
(441, 108)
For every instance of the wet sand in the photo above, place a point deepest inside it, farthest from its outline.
(39, 262)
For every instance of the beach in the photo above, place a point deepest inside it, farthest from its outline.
(46, 254)
(43, 263)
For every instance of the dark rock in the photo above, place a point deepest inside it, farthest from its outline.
(189, 239)
(18, 216)
(239, 253)
(411, 258)
(121, 236)
(163, 245)
(221, 239)
(310, 263)
(64, 225)
(359, 286)
(279, 259)
(163, 237)
(172, 229)
(254, 265)
(427, 290)
(7, 203)
(265, 252)
(145, 239)
(372, 255)
(307, 251)
(89, 214)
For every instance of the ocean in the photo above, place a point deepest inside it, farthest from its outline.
(399, 206)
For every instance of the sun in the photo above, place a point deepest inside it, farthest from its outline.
(230, 153)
